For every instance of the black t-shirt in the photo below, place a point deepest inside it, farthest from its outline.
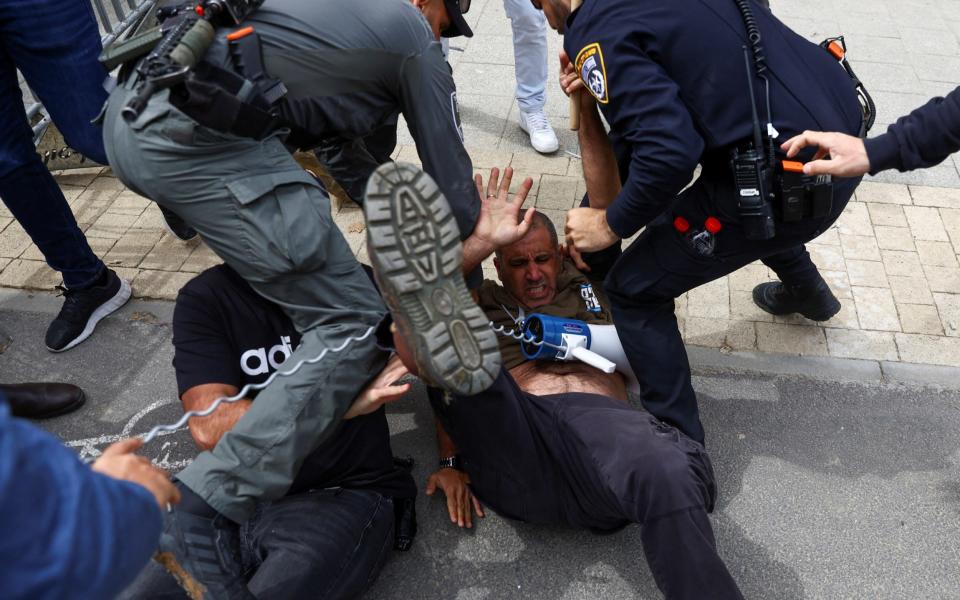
(224, 332)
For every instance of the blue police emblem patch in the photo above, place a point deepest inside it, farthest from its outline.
(592, 72)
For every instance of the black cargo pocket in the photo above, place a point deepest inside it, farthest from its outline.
(285, 219)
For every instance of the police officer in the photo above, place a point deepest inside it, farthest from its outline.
(671, 79)
(213, 151)
(924, 138)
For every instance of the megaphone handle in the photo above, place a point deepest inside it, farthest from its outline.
(593, 359)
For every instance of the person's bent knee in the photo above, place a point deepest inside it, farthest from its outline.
(677, 477)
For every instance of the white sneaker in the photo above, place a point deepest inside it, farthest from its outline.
(542, 137)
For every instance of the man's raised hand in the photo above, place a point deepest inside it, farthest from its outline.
(499, 223)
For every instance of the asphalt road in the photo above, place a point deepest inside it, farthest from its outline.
(828, 489)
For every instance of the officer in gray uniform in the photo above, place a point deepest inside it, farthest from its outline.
(349, 69)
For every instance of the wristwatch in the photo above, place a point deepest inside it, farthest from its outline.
(450, 462)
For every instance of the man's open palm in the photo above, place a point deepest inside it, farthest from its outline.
(499, 223)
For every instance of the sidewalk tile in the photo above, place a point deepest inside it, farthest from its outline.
(131, 248)
(888, 193)
(14, 241)
(163, 285)
(894, 238)
(860, 247)
(557, 193)
(943, 279)
(920, 318)
(948, 306)
(855, 220)
(79, 177)
(711, 300)
(951, 222)
(936, 254)
(30, 274)
(827, 258)
(846, 318)
(201, 259)
(935, 196)
(874, 345)
(830, 237)
(742, 307)
(876, 309)
(803, 340)
(839, 283)
(720, 333)
(887, 215)
(748, 277)
(557, 217)
(925, 223)
(867, 273)
(531, 163)
(169, 253)
(929, 42)
(487, 158)
(897, 262)
(128, 203)
(910, 290)
(929, 349)
(111, 226)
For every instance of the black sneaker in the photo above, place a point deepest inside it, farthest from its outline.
(817, 304)
(203, 555)
(417, 256)
(83, 309)
(177, 226)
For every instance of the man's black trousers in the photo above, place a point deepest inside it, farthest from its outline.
(660, 265)
(595, 462)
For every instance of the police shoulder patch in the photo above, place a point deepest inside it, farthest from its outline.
(592, 71)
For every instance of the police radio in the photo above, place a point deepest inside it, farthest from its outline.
(752, 177)
(764, 181)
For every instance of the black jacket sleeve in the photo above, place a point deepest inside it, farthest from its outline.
(924, 138)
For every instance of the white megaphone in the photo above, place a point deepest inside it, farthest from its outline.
(556, 338)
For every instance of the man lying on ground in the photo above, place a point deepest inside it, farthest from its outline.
(331, 533)
(549, 443)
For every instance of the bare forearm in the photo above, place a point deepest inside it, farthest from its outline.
(475, 251)
(207, 431)
(599, 162)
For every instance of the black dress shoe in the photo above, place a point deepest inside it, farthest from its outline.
(42, 400)
(817, 303)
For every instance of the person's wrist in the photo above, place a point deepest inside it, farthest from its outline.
(450, 462)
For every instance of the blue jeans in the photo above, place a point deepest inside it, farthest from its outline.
(55, 44)
(529, 53)
(319, 544)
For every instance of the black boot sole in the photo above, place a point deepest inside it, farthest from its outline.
(417, 257)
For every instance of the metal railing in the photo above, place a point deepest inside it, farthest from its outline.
(116, 19)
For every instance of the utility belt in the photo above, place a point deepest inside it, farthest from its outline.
(241, 100)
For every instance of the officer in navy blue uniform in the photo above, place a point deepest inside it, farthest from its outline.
(671, 79)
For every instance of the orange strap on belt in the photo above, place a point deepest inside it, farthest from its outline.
(240, 33)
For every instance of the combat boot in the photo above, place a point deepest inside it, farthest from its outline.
(815, 303)
(417, 257)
